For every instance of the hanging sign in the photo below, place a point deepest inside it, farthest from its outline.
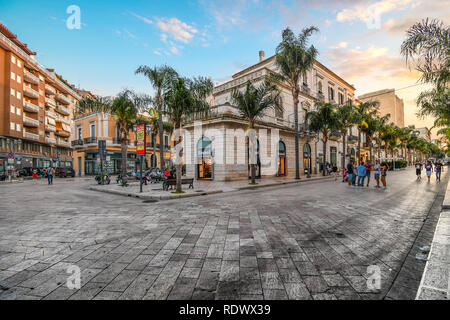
(140, 138)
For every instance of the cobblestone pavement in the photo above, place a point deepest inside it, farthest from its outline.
(308, 241)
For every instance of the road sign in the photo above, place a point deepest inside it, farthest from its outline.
(19, 159)
(108, 158)
(102, 145)
(11, 156)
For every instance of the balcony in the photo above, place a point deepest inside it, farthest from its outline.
(30, 135)
(50, 128)
(29, 77)
(30, 107)
(62, 143)
(50, 140)
(352, 138)
(320, 96)
(49, 90)
(90, 141)
(50, 103)
(30, 122)
(335, 136)
(62, 133)
(51, 114)
(62, 98)
(30, 92)
(77, 143)
(305, 89)
(66, 121)
(62, 110)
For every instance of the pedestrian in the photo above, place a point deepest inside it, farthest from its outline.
(419, 170)
(376, 171)
(384, 170)
(438, 170)
(335, 170)
(429, 169)
(50, 175)
(368, 167)
(350, 173)
(361, 175)
(35, 175)
(355, 174)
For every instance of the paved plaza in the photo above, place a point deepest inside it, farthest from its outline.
(315, 240)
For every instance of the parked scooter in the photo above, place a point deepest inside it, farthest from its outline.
(106, 179)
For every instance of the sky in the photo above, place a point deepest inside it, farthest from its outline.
(359, 39)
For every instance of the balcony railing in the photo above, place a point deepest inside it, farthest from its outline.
(51, 114)
(77, 143)
(50, 140)
(320, 96)
(50, 128)
(352, 138)
(30, 135)
(91, 140)
(30, 107)
(62, 110)
(62, 133)
(63, 143)
(50, 103)
(30, 92)
(335, 135)
(29, 77)
(30, 122)
(50, 90)
(62, 98)
(305, 89)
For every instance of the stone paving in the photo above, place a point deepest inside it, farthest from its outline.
(308, 241)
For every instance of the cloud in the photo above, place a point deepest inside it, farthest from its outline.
(146, 20)
(176, 29)
(129, 34)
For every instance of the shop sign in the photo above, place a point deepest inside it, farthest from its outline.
(140, 135)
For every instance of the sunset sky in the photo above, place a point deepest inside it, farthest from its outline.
(216, 38)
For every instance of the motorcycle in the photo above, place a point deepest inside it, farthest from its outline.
(106, 179)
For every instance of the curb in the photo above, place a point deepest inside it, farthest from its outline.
(169, 197)
(284, 183)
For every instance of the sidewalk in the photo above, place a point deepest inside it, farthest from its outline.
(435, 284)
(201, 187)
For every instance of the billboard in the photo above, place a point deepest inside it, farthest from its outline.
(140, 139)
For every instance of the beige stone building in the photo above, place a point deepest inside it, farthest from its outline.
(390, 103)
(216, 147)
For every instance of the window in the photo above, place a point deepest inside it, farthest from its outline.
(19, 95)
(330, 94)
(18, 111)
(166, 140)
(79, 133)
(13, 110)
(41, 77)
(17, 127)
(305, 80)
(19, 63)
(13, 59)
(92, 130)
(341, 98)
(12, 126)
(13, 92)
(19, 79)
(13, 76)
(320, 87)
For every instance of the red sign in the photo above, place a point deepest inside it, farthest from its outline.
(140, 138)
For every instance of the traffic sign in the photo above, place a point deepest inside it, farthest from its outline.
(11, 156)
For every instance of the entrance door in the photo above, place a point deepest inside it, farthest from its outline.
(204, 154)
(307, 158)
(79, 166)
(282, 159)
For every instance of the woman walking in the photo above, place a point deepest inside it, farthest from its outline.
(384, 169)
(376, 171)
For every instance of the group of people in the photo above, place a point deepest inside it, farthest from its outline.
(357, 174)
(429, 168)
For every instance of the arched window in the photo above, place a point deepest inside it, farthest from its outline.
(281, 149)
(282, 159)
(320, 87)
(204, 154)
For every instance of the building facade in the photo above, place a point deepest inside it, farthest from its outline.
(36, 107)
(90, 128)
(214, 146)
(390, 104)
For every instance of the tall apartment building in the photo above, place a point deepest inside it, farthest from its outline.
(36, 107)
(390, 103)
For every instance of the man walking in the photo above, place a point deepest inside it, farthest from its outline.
(361, 175)
(334, 170)
(429, 169)
(438, 170)
(50, 175)
(419, 170)
(376, 171)
(368, 167)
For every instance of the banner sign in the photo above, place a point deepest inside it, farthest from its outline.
(140, 138)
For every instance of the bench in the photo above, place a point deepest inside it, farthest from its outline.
(155, 179)
(173, 182)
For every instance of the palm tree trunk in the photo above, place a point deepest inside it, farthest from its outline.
(252, 156)
(344, 150)
(324, 156)
(124, 161)
(179, 164)
(161, 131)
(154, 149)
(297, 152)
(359, 145)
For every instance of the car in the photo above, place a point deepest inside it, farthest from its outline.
(65, 172)
(2, 177)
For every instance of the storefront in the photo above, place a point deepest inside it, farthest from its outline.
(112, 164)
(307, 165)
(205, 167)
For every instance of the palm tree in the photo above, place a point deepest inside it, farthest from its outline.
(381, 124)
(154, 129)
(124, 108)
(160, 78)
(252, 105)
(323, 120)
(293, 60)
(183, 98)
(372, 121)
(346, 120)
(361, 113)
